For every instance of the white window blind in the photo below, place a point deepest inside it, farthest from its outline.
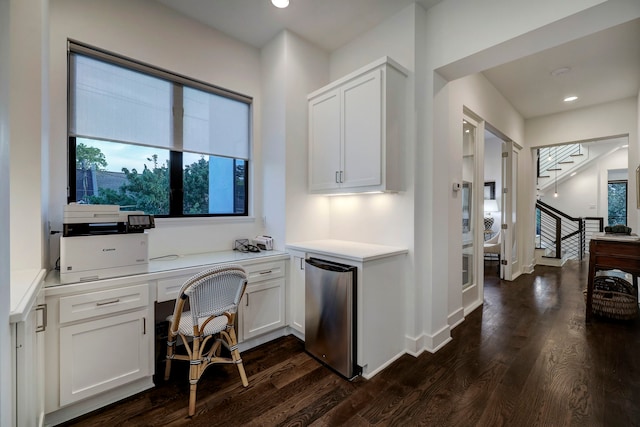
(115, 99)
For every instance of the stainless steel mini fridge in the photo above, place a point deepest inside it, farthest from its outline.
(330, 314)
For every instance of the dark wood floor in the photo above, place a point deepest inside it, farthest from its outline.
(526, 358)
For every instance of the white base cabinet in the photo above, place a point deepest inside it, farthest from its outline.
(27, 343)
(100, 338)
(262, 308)
(297, 292)
(356, 131)
(99, 355)
(380, 296)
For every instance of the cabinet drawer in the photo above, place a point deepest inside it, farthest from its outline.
(264, 271)
(109, 301)
(168, 288)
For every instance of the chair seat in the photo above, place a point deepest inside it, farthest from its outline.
(185, 327)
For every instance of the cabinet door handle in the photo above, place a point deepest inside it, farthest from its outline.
(301, 263)
(341, 177)
(43, 308)
(144, 326)
(247, 303)
(337, 179)
(266, 272)
(108, 302)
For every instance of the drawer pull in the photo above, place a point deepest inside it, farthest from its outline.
(108, 302)
(43, 308)
(266, 272)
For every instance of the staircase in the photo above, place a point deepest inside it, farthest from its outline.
(560, 237)
(555, 163)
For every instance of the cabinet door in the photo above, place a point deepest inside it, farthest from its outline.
(324, 141)
(362, 131)
(103, 354)
(29, 369)
(262, 308)
(296, 284)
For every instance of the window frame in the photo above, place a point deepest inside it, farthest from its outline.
(626, 198)
(176, 166)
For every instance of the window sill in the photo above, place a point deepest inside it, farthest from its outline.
(168, 222)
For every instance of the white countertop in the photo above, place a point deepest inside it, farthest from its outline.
(346, 249)
(25, 285)
(159, 266)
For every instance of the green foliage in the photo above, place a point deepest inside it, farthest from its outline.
(86, 157)
(146, 191)
(617, 203)
(196, 188)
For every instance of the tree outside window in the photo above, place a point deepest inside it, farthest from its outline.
(617, 202)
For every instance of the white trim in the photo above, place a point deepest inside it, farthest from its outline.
(469, 309)
(456, 318)
(369, 375)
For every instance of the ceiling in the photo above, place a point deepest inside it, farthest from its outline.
(602, 67)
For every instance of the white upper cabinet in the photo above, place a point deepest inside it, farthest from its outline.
(356, 131)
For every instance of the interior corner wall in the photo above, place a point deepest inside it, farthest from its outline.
(273, 64)
(152, 33)
(307, 69)
(6, 396)
(26, 98)
(386, 219)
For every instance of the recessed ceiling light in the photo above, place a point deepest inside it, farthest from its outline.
(280, 3)
(570, 98)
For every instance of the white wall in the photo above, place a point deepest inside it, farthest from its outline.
(6, 401)
(291, 68)
(383, 218)
(585, 194)
(597, 122)
(28, 101)
(154, 34)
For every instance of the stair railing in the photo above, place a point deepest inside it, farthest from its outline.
(550, 157)
(563, 234)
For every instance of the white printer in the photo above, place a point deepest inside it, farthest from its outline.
(101, 241)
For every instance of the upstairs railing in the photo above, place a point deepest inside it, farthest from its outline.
(562, 235)
(551, 158)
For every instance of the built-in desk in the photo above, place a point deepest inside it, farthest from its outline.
(609, 253)
(100, 338)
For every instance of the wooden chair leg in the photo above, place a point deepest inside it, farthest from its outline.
(195, 370)
(167, 366)
(235, 355)
(192, 398)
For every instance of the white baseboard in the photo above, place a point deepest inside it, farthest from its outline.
(96, 402)
(456, 318)
(369, 375)
(417, 345)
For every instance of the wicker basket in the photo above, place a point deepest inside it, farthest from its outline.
(613, 297)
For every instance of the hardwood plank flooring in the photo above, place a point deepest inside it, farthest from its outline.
(526, 358)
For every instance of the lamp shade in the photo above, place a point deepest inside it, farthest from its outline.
(491, 206)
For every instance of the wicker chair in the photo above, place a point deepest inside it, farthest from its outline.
(213, 297)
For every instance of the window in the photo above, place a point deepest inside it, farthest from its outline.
(617, 202)
(150, 140)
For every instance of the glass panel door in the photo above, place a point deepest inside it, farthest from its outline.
(469, 192)
(510, 268)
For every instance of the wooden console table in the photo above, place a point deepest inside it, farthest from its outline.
(609, 254)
